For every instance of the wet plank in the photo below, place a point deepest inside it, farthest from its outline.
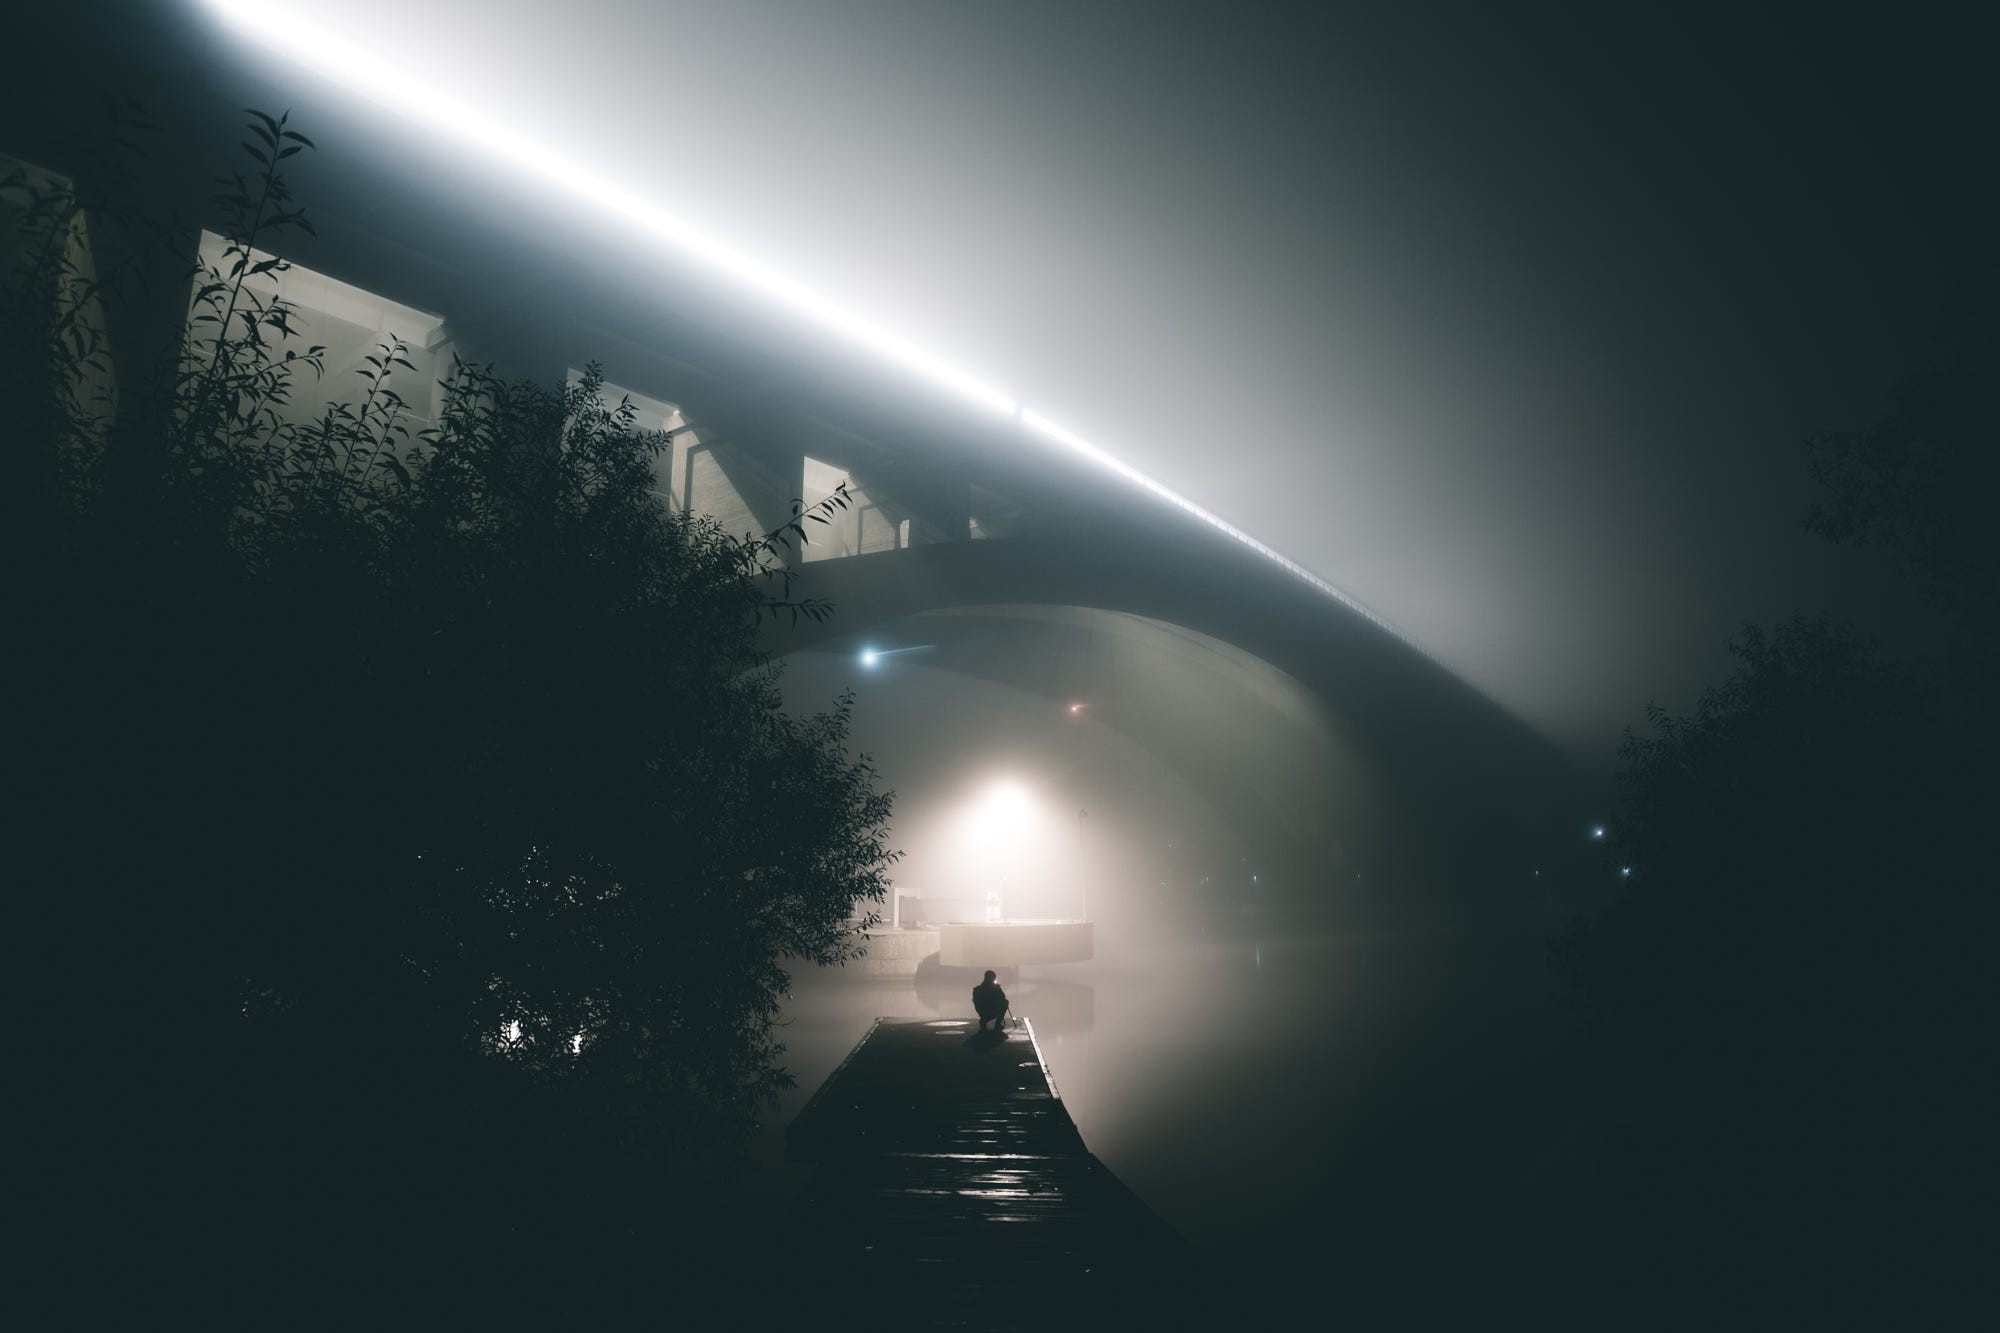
(952, 1183)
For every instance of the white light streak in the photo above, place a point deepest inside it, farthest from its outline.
(872, 656)
(1035, 421)
(366, 74)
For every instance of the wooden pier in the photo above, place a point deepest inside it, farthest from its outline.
(952, 1190)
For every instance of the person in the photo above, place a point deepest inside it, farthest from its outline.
(991, 1003)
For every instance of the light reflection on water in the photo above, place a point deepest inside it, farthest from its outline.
(1358, 1091)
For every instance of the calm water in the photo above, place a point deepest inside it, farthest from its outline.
(1382, 1124)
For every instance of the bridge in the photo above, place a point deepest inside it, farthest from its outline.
(980, 528)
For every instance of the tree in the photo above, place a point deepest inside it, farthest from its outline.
(410, 808)
(1787, 992)
(1921, 486)
(1920, 483)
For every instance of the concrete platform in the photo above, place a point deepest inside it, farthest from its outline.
(1009, 944)
(894, 951)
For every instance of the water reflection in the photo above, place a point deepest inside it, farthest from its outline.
(1272, 1098)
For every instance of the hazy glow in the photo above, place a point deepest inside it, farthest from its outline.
(1003, 841)
(365, 73)
(1007, 807)
(1035, 421)
(871, 656)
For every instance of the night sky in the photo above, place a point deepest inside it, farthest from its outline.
(1511, 324)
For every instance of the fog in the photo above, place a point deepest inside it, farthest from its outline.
(1210, 784)
(1333, 1098)
(1337, 1121)
(1509, 324)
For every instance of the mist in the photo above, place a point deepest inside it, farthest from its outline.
(1511, 326)
(1207, 781)
(1160, 510)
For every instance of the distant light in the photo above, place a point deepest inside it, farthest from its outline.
(872, 656)
(1598, 832)
(1626, 871)
(363, 71)
(1008, 804)
(1074, 709)
(1002, 835)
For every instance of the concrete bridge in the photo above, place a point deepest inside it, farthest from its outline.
(972, 521)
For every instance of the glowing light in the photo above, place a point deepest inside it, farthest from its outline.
(1598, 832)
(1074, 709)
(1625, 871)
(1005, 842)
(1041, 425)
(872, 656)
(364, 72)
(1006, 807)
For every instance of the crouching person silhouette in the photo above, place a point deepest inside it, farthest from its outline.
(991, 1003)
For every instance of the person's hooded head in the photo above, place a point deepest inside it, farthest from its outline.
(990, 974)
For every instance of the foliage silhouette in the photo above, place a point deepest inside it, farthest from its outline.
(1788, 990)
(416, 833)
(1920, 486)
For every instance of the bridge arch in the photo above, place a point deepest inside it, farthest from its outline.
(1429, 774)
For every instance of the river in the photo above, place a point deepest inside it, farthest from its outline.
(1382, 1125)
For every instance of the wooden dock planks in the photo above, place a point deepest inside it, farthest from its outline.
(951, 1179)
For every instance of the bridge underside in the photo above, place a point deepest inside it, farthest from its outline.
(960, 511)
(1366, 782)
